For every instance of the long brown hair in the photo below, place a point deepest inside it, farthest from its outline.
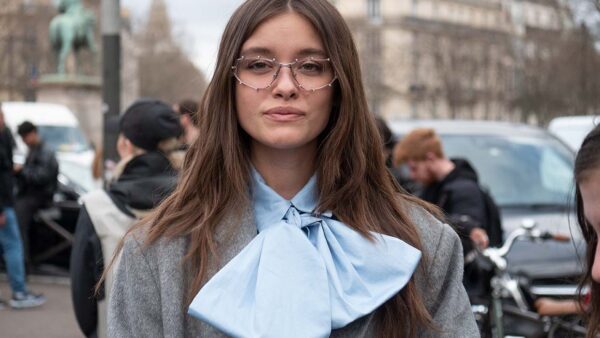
(588, 160)
(352, 179)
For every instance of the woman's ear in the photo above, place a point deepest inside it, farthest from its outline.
(124, 147)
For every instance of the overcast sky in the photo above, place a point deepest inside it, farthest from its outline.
(198, 23)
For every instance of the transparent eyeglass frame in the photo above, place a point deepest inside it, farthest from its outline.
(234, 69)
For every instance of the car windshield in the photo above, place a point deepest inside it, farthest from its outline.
(78, 175)
(64, 138)
(518, 171)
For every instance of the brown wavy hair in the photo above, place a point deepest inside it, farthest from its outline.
(352, 179)
(588, 160)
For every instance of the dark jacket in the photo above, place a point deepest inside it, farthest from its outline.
(7, 145)
(39, 176)
(461, 199)
(145, 181)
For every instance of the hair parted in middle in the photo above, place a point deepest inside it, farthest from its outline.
(352, 179)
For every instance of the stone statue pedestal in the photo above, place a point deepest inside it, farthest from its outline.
(82, 94)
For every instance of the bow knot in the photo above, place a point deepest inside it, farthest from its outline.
(300, 219)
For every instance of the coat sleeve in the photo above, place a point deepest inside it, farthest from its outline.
(443, 290)
(134, 308)
(86, 268)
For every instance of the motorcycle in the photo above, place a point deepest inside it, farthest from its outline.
(508, 308)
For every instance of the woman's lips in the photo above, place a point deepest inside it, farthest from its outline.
(284, 114)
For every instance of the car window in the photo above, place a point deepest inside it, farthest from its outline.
(518, 171)
(64, 138)
(78, 174)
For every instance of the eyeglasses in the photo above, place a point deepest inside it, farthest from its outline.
(260, 73)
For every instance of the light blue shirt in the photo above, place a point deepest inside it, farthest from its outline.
(304, 274)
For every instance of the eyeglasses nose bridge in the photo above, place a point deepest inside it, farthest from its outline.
(288, 65)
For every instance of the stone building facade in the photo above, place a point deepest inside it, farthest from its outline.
(448, 58)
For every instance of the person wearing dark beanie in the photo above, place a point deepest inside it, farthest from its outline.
(146, 173)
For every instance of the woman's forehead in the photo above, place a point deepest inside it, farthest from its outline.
(287, 33)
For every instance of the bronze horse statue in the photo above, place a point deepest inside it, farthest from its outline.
(71, 30)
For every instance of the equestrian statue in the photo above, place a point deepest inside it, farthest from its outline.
(71, 30)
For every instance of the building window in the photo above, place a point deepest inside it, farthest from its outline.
(374, 9)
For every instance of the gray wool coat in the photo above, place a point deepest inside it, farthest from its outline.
(149, 291)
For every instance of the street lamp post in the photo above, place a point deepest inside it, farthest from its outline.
(111, 79)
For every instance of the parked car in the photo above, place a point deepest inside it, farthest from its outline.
(60, 130)
(572, 129)
(529, 173)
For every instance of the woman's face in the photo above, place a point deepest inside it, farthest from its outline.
(284, 116)
(590, 193)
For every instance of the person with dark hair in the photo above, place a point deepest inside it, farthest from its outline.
(188, 115)
(285, 221)
(587, 202)
(387, 138)
(37, 180)
(11, 245)
(146, 173)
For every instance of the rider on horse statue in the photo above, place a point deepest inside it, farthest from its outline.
(72, 29)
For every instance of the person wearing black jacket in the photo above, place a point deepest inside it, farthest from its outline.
(452, 185)
(37, 180)
(146, 173)
(10, 238)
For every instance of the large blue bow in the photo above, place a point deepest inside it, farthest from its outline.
(304, 274)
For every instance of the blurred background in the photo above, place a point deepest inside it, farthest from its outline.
(517, 67)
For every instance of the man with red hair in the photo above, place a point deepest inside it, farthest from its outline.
(452, 185)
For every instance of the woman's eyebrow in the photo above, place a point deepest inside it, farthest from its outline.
(256, 50)
(312, 52)
(302, 53)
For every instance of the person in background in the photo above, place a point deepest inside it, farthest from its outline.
(286, 221)
(37, 181)
(10, 237)
(387, 138)
(452, 185)
(146, 173)
(188, 115)
(587, 203)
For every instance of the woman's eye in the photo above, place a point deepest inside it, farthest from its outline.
(310, 67)
(259, 66)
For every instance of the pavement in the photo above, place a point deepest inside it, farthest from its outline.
(54, 319)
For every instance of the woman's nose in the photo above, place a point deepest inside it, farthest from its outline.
(285, 85)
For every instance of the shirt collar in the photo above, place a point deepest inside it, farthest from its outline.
(270, 207)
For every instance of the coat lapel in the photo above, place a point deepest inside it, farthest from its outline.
(232, 235)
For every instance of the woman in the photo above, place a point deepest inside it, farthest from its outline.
(587, 201)
(285, 222)
(147, 172)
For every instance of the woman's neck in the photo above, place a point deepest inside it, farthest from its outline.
(285, 171)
